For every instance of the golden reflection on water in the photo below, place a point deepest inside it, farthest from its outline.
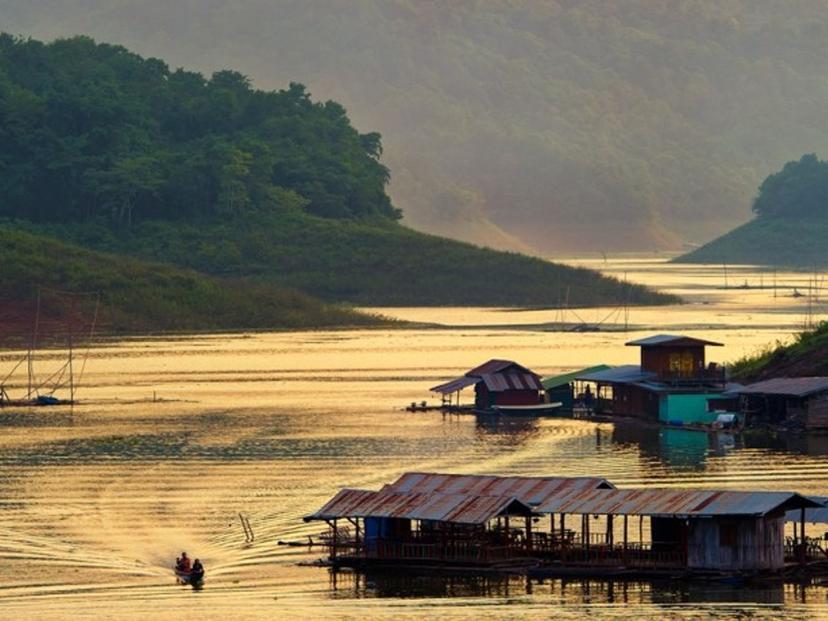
(98, 500)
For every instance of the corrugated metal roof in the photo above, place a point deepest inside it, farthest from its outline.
(815, 516)
(624, 374)
(672, 502)
(495, 365)
(531, 490)
(492, 372)
(455, 508)
(671, 339)
(500, 382)
(567, 378)
(454, 385)
(789, 386)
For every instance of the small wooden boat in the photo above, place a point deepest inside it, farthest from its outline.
(527, 410)
(188, 577)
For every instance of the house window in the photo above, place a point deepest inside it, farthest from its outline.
(727, 535)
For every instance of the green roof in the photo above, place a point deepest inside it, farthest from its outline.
(567, 378)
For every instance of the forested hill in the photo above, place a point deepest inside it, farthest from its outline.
(565, 125)
(95, 132)
(104, 148)
(790, 225)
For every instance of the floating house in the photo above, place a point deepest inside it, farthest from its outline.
(561, 526)
(499, 385)
(672, 384)
(693, 530)
(798, 402)
(442, 519)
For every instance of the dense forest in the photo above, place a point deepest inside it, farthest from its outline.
(103, 148)
(94, 132)
(561, 125)
(790, 225)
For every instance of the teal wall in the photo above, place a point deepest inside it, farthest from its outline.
(689, 409)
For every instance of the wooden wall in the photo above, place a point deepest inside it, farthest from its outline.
(736, 543)
(661, 360)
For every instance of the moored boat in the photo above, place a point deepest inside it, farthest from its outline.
(538, 408)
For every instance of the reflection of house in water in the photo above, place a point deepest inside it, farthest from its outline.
(507, 430)
(798, 402)
(565, 525)
(674, 447)
(671, 384)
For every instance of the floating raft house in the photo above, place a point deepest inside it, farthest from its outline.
(563, 525)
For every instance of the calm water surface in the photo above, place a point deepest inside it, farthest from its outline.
(98, 500)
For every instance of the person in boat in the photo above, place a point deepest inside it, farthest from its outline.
(182, 563)
(197, 573)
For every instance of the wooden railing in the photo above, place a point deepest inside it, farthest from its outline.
(810, 550)
(458, 552)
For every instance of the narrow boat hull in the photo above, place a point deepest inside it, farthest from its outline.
(527, 410)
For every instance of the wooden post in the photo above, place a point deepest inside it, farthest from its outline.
(333, 543)
(641, 530)
(610, 534)
(803, 546)
(625, 539)
(561, 544)
(506, 529)
(529, 533)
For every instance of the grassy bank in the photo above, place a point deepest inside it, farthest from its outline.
(138, 296)
(807, 355)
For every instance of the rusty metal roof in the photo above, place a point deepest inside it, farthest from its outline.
(496, 379)
(455, 508)
(495, 366)
(500, 382)
(668, 340)
(672, 502)
(456, 384)
(788, 386)
(530, 490)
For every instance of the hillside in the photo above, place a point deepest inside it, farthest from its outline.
(141, 297)
(806, 356)
(791, 223)
(120, 153)
(562, 126)
(379, 264)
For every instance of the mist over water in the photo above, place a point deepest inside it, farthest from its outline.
(175, 436)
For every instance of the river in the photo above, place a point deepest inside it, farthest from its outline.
(172, 438)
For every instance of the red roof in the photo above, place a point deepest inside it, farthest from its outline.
(495, 366)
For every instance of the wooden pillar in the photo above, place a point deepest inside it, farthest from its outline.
(641, 529)
(563, 527)
(625, 538)
(610, 534)
(506, 527)
(529, 533)
(803, 545)
(333, 542)
(551, 526)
